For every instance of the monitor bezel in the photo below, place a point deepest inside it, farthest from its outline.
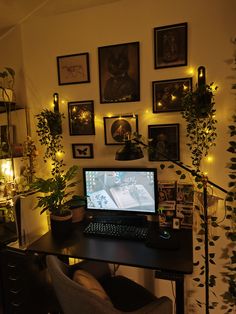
(127, 211)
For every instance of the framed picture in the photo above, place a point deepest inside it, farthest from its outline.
(81, 117)
(73, 69)
(170, 46)
(119, 73)
(82, 150)
(119, 128)
(165, 142)
(167, 95)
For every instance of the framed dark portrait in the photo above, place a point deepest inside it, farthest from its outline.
(117, 129)
(165, 140)
(119, 73)
(167, 95)
(81, 117)
(73, 69)
(170, 46)
(82, 151)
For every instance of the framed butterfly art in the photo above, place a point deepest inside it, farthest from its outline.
(82, 150)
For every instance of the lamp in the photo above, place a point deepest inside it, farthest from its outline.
(56, 102)
(132, 149)
(201, 76)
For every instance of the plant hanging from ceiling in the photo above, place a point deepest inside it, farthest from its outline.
(199, 113)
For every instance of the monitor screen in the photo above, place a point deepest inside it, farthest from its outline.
(121, 189)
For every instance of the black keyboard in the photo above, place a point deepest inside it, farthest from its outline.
(117, 231)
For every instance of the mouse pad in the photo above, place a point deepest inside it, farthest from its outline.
(155, 239)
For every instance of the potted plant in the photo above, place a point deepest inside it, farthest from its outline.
(57, 189)
(7, 80)
(199, 113)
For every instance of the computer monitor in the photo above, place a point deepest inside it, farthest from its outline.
(121, 190)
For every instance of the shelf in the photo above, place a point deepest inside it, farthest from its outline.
(9, 106)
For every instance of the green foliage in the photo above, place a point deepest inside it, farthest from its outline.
(199, 113)
(7, 78)
(57, 190)
(229, 253)
(49, 129)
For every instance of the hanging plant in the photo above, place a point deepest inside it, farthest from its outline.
(49, 129)
(229, 252)
(199, 113)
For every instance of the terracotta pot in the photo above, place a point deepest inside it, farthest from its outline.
(61, 226)
(78, 214)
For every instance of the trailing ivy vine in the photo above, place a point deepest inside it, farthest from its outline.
(199, 113)
(229, 252)
(49, 130)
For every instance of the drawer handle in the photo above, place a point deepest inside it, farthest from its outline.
(16, 304)
(15, 291)
(11, 278)
(11, 265)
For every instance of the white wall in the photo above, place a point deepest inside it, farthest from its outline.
(211, 25)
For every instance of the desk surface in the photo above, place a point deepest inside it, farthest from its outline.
(124, 252)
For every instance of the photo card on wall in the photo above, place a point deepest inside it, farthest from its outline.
(119, 73)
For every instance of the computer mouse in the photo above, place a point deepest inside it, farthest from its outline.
(165, 235)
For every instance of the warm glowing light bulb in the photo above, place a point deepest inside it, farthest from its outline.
(185, 87)
(159, 104)
(190, 71)
(173, 97)
(205, 173)
(63, 101)
(74, 109)
(209, 159)
(59, 154)
(109, 115)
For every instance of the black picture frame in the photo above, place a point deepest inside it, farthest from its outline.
(117, 129)
(81, 117)
(170, 46)
(73, 69)
(167, 94)
(82, 150)
(119, 73)
(165, 139)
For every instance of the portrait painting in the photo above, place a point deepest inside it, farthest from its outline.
(170, 46)
(164, 144)
(119, 73)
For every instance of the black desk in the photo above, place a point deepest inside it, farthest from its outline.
(169, 264)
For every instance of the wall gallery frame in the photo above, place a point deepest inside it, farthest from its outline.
(165, 140)
(117, 129)
(170, 46)
(81, 117)
(73, 69)
(119, 73)
(167, 94)
(82, 151)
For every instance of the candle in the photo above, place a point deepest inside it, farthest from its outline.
(201, 76)
(56, 102)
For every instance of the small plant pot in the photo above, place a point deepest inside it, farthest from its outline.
(78, 214)
(61, 226)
